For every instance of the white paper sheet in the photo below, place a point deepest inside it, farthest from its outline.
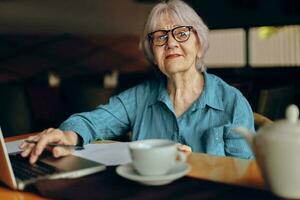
(13, 147)
(108, 154)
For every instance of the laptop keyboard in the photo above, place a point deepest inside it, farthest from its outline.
(24, 170)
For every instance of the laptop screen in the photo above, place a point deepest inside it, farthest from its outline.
(6, 172)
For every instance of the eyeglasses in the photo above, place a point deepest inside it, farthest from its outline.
(160, 37)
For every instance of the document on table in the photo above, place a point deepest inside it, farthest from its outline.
(13, 147)
(109, 154)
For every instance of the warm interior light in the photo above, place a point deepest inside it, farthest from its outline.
(53, 79)
(266, 32)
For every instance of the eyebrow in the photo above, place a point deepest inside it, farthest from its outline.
(161, 29)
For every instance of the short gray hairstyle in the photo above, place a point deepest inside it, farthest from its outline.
(182, 13)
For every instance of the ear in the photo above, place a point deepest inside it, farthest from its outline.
(199, 49)
(199, 52)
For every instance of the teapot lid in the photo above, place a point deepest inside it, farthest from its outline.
(285, 128)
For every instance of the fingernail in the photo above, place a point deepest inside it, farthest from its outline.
(56, 153)
(38, 152)
(32, 160)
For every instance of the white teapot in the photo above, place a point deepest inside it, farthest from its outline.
(277, 150)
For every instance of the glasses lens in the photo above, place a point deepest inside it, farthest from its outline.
(181, 34)
(159, 38)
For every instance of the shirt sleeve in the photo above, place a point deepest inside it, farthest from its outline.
(234, 144)
(105, 122)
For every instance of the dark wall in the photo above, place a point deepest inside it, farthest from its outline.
(245, 13)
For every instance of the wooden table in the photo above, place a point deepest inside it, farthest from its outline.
(205, 167)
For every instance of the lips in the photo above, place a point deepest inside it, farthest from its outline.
(170, 56)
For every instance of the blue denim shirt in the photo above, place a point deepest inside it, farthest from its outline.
(147, 111)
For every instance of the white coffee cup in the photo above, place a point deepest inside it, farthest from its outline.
(154, 157)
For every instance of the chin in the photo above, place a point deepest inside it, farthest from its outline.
(175, 67)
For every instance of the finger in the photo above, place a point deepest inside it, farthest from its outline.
(24, 144)
(184, 148)
(33, 157)
(40, 146)
(27, 150)
(41, 143)
(48, 136)
(61, 151)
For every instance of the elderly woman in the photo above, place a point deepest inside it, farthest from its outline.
(186, 104)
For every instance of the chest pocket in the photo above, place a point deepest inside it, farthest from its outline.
(209, 141)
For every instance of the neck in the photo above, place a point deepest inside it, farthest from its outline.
(190, 82)
(184, 89)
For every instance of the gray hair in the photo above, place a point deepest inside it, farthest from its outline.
(182, 13)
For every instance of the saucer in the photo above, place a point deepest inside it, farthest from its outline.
(179, 170)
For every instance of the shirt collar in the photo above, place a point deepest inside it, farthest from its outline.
(211, 94)
(161, 93)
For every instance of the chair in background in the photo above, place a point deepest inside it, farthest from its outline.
(82, 98)
(15, 112)
(273, 101)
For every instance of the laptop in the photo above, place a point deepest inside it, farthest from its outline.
(16, 171)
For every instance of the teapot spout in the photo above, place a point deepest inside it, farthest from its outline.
(245, 133)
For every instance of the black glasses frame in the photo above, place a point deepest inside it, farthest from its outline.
(150, 35)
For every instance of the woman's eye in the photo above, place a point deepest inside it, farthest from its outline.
(182, 34)
(163, 37)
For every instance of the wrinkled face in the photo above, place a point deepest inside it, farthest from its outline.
(175, 50)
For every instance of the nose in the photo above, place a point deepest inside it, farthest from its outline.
(171, 42)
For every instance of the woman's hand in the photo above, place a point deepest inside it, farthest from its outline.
(50, 135)
(184, 148)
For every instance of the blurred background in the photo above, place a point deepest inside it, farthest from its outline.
(62, 57)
